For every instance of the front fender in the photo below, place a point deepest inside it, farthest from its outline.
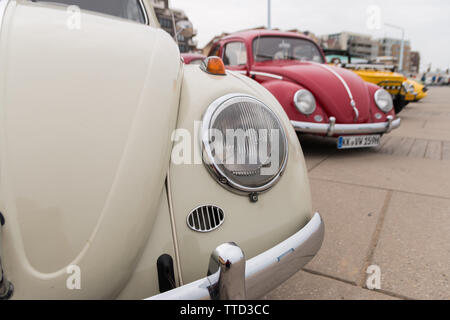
(284, 91)
(382, 117)
(256, 227)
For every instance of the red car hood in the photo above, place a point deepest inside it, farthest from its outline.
(332, 87)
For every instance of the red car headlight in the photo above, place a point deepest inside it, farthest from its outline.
(305, 102)
(383, 100)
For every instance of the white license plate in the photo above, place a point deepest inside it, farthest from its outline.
(351, 142)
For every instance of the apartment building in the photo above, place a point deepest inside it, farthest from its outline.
(392, 47)
(168, 19)
(358, 45)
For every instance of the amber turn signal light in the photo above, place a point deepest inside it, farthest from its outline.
(213, 65)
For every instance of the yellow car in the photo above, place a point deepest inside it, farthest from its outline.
(392, 82)
(380, 75)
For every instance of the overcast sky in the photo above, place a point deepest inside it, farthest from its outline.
(427, 22)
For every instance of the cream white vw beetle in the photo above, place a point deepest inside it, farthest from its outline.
(93, 106)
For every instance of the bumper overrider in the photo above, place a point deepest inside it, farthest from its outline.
(331, 129)
(231, 277)
(6, 287)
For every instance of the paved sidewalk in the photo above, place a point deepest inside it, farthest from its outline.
(388, 206)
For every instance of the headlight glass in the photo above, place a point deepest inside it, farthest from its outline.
(383, 99)
(244, 143)
(409, 87)
(305, 102)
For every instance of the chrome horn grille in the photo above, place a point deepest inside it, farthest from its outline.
(205, 218)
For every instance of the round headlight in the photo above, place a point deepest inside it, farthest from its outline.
(305, 102)
(383, 99)
(409, 87)
(244, 144)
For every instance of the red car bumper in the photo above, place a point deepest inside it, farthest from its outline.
(331, 129)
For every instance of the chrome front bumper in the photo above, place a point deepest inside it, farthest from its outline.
(331, 129)
(6, 287)
(231, 277)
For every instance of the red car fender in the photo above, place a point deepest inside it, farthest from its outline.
(284, 91)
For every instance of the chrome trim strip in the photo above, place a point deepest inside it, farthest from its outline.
(3, 5)
(339, 129)
(368, 66)
(174, 229)
(264, 74)
(144, 11)
(349, 92)
(264, 272)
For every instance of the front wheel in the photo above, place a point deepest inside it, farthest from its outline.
(399, 104)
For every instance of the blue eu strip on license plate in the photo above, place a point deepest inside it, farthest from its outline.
(352, 142)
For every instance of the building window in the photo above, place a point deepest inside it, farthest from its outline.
(165, 23)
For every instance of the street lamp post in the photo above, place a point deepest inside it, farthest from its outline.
(269, 14)
(402, 46)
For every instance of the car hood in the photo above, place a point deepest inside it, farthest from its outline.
(378, 77)
(334, 88)
(85, 144)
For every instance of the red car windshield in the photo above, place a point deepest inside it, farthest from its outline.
(285, 48)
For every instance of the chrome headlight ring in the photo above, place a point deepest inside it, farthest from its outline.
(242, 113)
(383, 100)
(305, 102)
(408, 87)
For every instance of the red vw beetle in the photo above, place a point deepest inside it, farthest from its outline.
(318, 98)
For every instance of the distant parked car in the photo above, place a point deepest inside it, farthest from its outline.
(318, 98)
(193, 58)
(379, 74)
(417, 89)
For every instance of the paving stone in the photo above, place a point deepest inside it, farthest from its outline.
(413, 251)
(316, 149)
(434, 150)
(307, 286)
(390, 146)
(350, 214)
(398, 146)
(404, 147)
(418, 149)
(421, 176)
(446, 151)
